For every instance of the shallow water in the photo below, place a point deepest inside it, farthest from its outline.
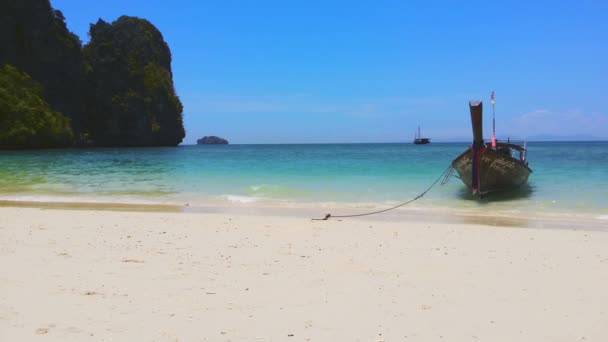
(568, 177)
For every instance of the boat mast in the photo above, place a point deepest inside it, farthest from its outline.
(493, 122)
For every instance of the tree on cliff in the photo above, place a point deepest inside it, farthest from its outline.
(26, 120)
(131, 100)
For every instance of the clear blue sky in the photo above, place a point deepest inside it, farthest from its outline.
(371, 71)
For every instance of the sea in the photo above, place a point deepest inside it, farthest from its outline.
(569, 178)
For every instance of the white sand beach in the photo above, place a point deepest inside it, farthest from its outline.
(93, 275)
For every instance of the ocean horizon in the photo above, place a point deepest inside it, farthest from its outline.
(433, 141)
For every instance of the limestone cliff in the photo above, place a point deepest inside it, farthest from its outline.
(116, 91)
(34, 39)
(131, 94)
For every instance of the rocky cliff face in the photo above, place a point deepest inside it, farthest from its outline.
(34, 38)
(116, 91)
(132, 97)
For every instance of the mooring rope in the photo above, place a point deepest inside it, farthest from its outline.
(443, 174)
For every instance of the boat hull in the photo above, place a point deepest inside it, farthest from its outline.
(496, 172)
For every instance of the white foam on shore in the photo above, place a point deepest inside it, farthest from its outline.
(602, 217)
(240, 199)
(257, 187)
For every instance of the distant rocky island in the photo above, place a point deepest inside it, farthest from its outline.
(115, 91)
(212, 140)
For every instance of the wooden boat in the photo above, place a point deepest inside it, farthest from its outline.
(490, 167)
(421, 141)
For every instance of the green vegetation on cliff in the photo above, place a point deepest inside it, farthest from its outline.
(133, 100)
(26, 120)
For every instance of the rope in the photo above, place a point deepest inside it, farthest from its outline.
(328, 216)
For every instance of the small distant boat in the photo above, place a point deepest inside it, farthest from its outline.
(421, 141)
(494, 166)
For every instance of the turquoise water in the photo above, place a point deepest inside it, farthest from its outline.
(568, 176)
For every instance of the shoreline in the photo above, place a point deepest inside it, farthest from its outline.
(74, 275)
(508, 218)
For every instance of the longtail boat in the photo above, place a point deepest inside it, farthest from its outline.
(494, 166)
